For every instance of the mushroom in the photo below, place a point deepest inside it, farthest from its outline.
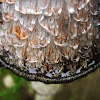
(51, 41)
(45, 91)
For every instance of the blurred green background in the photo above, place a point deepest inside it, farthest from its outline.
(87, 88)
(20, 89)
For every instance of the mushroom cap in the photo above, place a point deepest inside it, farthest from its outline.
(52, 41)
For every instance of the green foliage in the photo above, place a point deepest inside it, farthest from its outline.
(71, 98)
(13, 92)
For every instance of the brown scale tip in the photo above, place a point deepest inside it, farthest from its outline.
(1, 0)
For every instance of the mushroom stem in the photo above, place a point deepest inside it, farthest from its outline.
(43, 97)
(45, 91)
